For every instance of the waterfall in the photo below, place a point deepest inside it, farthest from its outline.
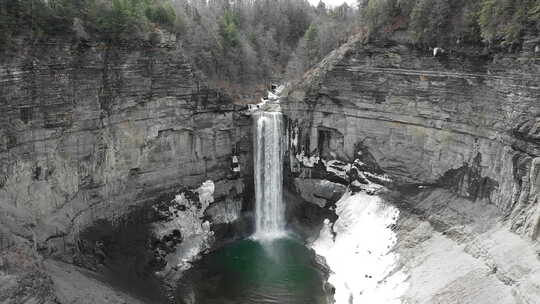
(268, 156)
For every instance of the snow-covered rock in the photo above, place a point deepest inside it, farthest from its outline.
(364, 267)
(184, 225)
(337, 167)
(271, 102)
(206, 193)
(307, 161)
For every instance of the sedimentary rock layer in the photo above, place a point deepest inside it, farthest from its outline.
(465, 121)
(88, 131)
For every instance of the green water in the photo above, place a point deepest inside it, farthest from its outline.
(279, 271)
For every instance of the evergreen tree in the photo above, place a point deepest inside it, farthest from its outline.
(228, 30)
(312, 44)
(239, 42)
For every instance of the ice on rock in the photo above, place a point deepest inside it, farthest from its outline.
(206, 193)
(309, 162)
(273, 97)
(185, 216)
(360, 257)
(337, 167)
(294, 137)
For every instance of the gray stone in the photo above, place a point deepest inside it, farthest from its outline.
(319, 191)
(465, 123)
(421, 117)
(89, 131)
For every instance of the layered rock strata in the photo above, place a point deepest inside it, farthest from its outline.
(464, 121)
(455, 139)
(90, 131)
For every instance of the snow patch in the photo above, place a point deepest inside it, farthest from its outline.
(360, 255)
(185, 215)
(256, 107)
(206, 193)
(337, 167)
(309, 162)
(273, 96)
(382, 177)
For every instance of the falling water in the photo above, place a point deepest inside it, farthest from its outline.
(269, 212)
(271, 267)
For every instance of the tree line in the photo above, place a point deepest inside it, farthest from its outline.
(234, 42)
(241, 43)
(258, 41)
(495, 23)
(106, 19)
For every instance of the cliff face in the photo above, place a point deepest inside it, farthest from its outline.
(89, 131)
(456, 140)
(465, 122)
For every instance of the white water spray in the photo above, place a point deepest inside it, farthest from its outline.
(268, 156)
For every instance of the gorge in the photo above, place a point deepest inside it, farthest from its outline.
(384, 175)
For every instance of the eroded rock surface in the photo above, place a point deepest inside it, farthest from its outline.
(462, 131)
(90, 130)
(466, 121)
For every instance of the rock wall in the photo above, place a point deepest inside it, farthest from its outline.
(88, 131)
(467, 121)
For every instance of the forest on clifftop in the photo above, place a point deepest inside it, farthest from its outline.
(244, 43)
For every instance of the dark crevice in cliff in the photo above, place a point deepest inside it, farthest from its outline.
(467, 181)
(369, 162)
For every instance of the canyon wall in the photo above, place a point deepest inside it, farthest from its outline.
(89, 131)
(466, 120)
(455, 140)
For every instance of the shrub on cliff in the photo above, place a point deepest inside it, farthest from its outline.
(120, 19)
(162, 14)
(228, 30)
